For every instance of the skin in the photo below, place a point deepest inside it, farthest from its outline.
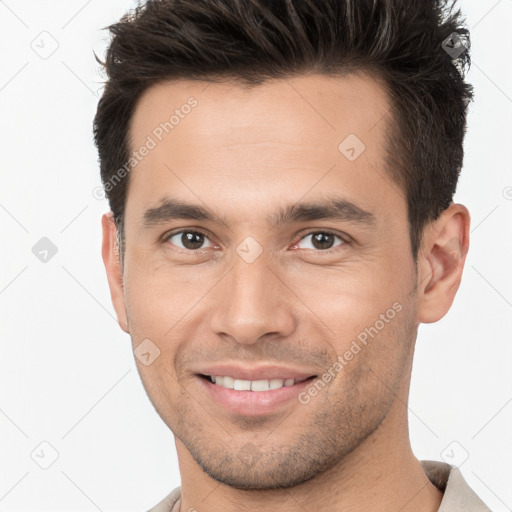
(244, 153)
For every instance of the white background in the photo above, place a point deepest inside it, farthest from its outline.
(67, 373)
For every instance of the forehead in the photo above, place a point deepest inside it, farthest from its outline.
(280, 110)
(248, 146)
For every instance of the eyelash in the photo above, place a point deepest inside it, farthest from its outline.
(344, 239)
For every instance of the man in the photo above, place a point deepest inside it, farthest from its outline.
(281, 175)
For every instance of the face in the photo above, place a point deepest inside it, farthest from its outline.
(265, 241)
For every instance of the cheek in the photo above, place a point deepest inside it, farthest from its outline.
(373, 360)
(352, 297)
(366, 315)
(158, 296)
(165, 307)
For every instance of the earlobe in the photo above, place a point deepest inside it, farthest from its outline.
(441, 262)
(113, 269)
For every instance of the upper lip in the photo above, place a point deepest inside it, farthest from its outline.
(260, 372)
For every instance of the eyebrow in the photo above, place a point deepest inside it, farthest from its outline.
(331, 208)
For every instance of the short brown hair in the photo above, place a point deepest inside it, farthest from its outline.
(410, 44)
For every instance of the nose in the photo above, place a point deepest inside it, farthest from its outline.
(252, 302)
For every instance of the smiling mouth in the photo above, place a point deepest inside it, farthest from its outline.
(228, 382)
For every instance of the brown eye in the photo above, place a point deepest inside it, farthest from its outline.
(322, 240)
(190, 240)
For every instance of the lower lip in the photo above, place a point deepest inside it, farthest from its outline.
(253, 403)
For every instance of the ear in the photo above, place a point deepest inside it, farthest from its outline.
(441, 259)
(110, 254)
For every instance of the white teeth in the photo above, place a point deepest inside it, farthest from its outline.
(276, 383)
(242, 385)
(260, 385)
(226, 382)
(254, 385)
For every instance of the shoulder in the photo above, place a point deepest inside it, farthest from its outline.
(167, 504)
(457, 495)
